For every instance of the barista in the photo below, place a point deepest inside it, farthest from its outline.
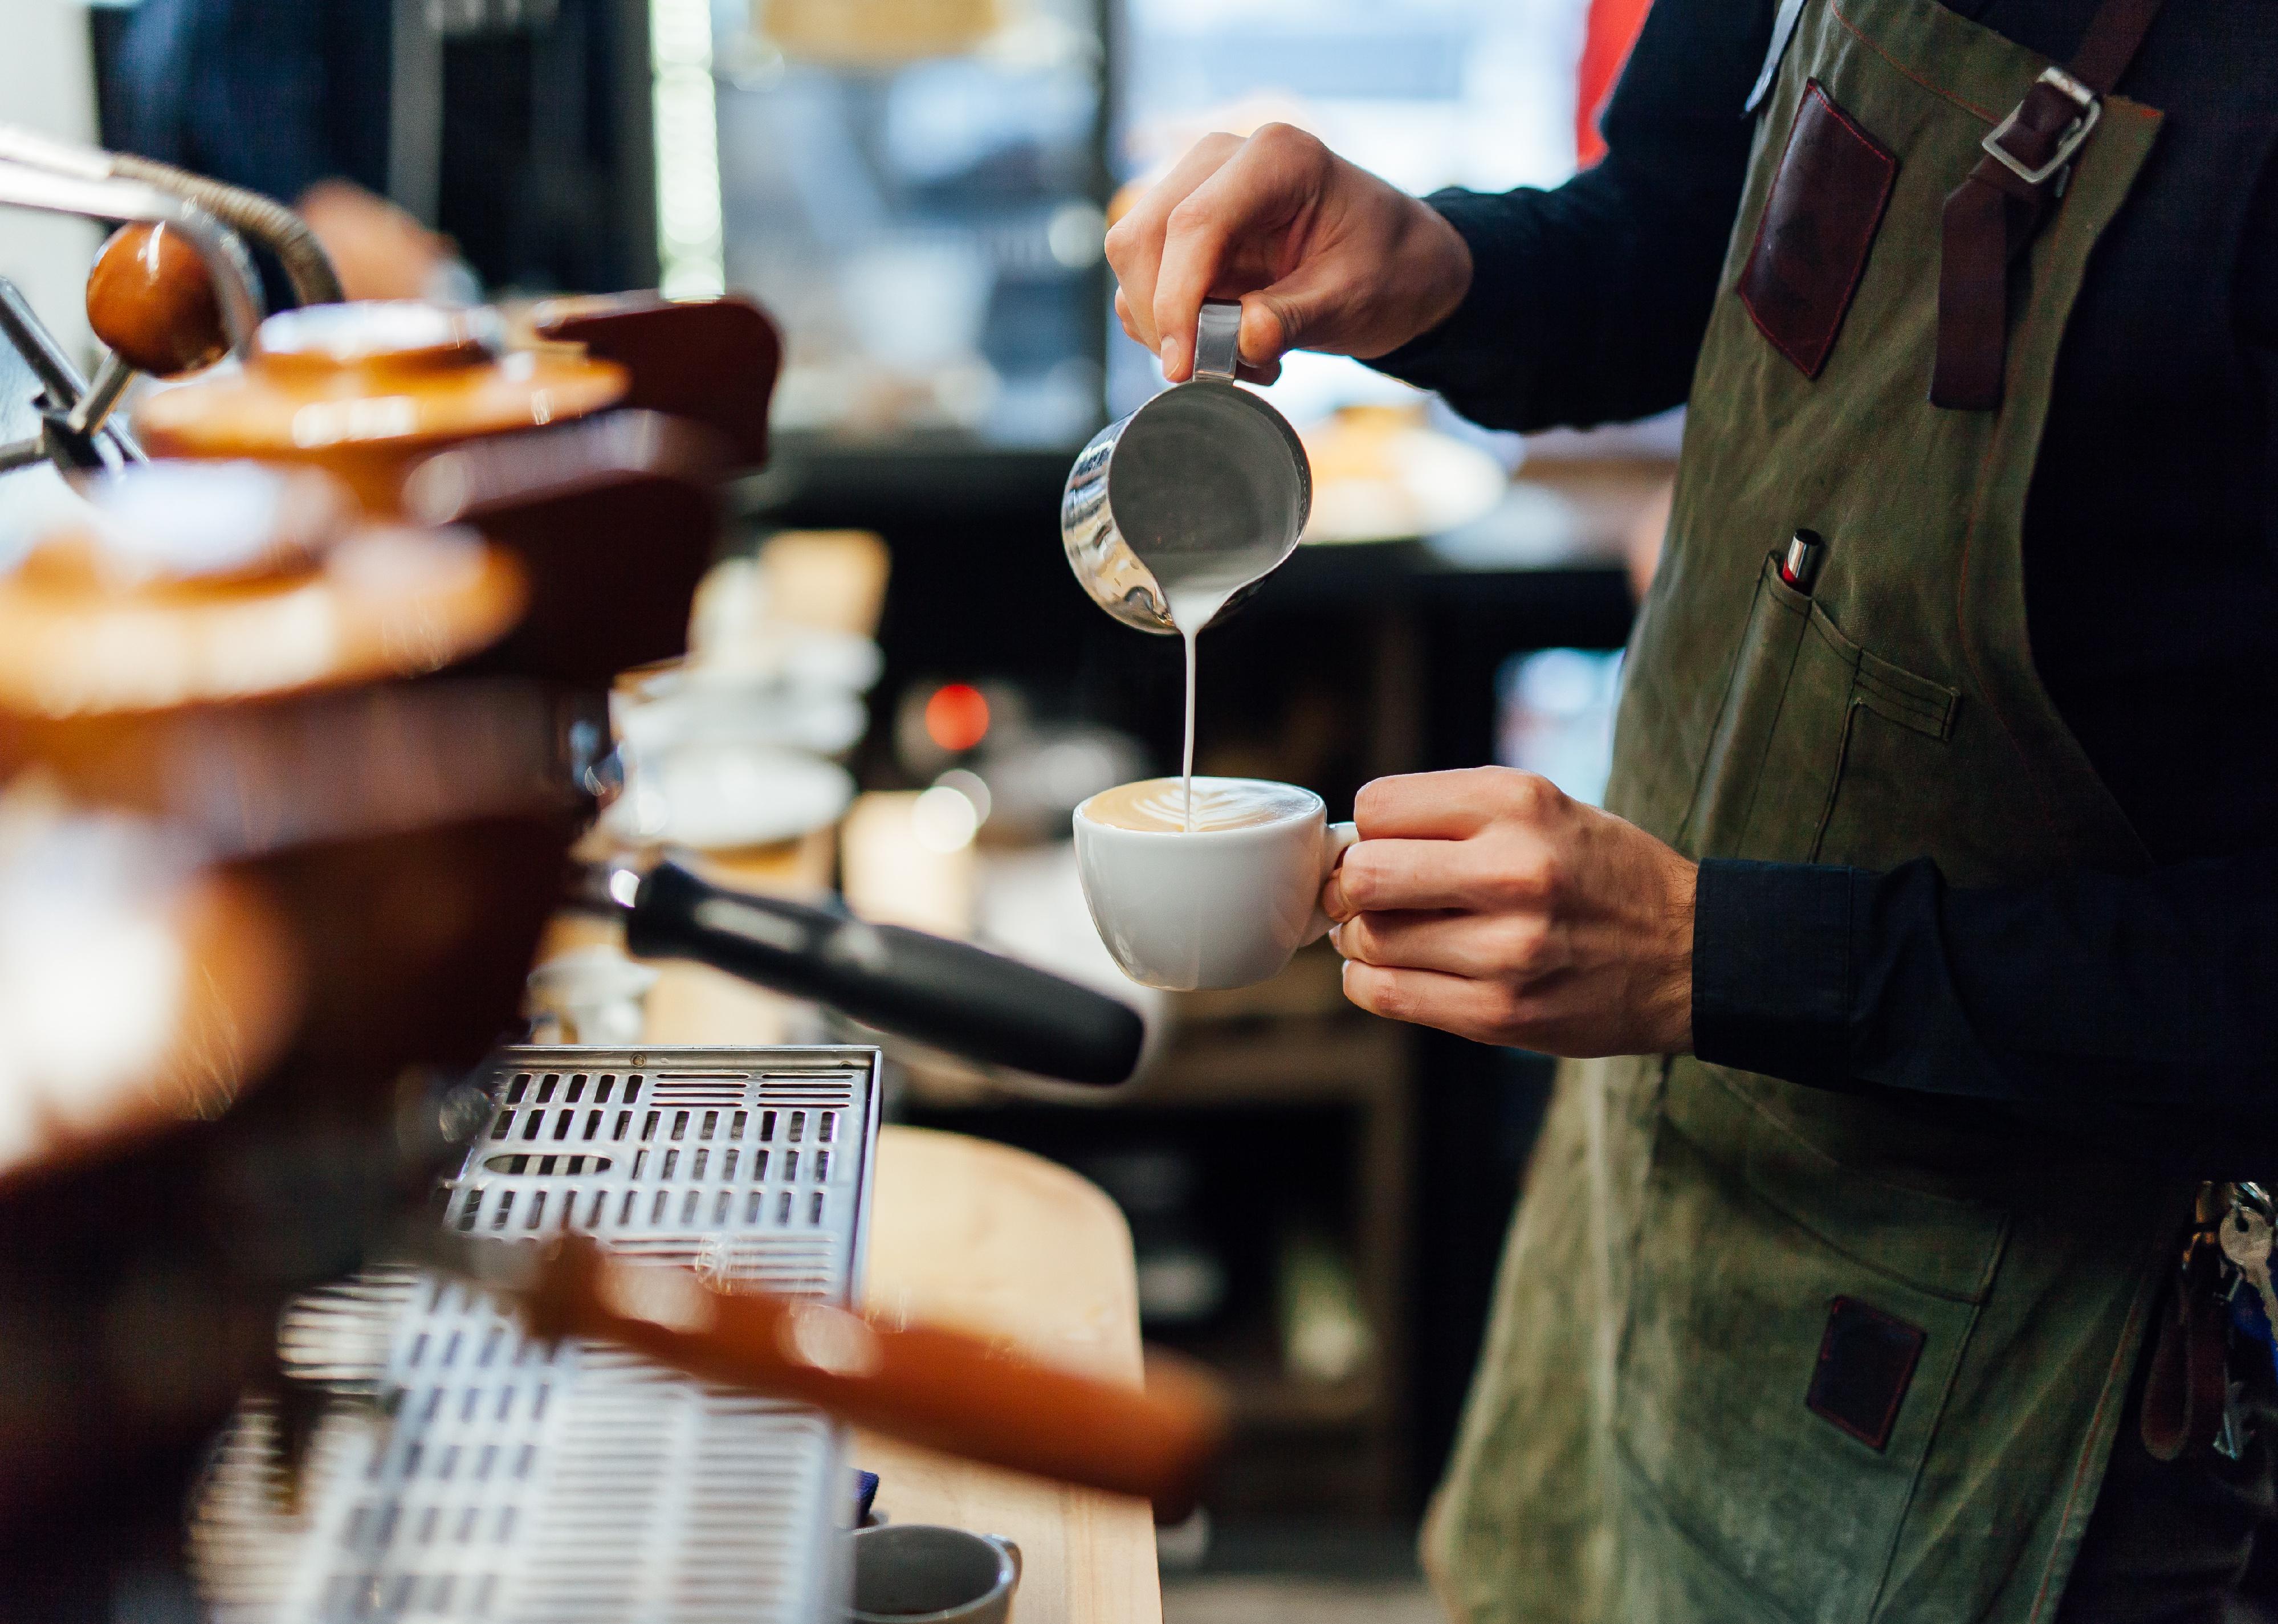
(1941, 900)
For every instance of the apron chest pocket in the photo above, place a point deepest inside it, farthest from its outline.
(1806, 709)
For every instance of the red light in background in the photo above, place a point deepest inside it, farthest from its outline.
(1611, 30)
(957, 717)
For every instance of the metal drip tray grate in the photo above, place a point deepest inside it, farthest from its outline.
(458, 1470)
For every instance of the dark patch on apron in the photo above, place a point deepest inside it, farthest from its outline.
(1866, 1363)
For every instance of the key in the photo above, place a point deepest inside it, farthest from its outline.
(2246, 1235)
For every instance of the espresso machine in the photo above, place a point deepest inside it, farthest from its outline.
(318, 1303)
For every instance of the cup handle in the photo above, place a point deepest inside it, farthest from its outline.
(1009, 1550)
(1336, 840)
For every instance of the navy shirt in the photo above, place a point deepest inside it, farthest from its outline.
(2142, 1008)
(274, 95)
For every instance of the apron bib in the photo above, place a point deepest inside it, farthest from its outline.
(1761, 1352)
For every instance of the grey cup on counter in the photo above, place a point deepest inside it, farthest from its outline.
(917, 1574)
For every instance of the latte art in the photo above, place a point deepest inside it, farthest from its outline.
(1159, 806)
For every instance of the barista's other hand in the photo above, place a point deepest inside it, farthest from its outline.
(1488, 903)
(379, 251)
(1322, 255)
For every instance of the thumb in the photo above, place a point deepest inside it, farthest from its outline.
(1298, 312)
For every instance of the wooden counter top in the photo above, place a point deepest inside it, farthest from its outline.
(1005, 1244)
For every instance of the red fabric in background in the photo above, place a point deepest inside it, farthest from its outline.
(1613, 29)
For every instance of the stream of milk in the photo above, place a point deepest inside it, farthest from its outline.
(1192, 608)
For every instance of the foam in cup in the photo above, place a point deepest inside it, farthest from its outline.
(1160, 805)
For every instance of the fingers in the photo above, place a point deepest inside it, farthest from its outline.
(1452, 805)
(1248, 373)
(1381, 875)
(1134, 243)
(1324, 255)
(1484, 947)
(1260, 189)
(1476, 1010)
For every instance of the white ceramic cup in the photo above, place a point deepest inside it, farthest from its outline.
(1216, 908)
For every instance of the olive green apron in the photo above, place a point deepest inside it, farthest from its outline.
(1638, 1445)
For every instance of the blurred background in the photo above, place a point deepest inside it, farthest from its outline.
(917, 190)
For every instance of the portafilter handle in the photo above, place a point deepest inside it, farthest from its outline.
(951, 994)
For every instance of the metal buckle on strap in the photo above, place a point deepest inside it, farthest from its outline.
(2067, 143)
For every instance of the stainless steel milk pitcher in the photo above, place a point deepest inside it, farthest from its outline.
(1204, 484)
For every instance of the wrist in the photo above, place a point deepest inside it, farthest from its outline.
(1672, 1027)
(1438, 270)
(1426, 297)
(1448, 268)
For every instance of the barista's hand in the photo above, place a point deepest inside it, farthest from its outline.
(1489, 904)
(379, 251)
(1322, 255)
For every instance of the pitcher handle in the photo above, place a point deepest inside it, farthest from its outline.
(1218, 340)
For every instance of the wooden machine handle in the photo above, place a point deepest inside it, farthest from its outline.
(941, 1389)
(151, 298)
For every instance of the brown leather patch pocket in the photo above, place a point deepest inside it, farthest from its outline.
(1866, 1362)
(1827, 199)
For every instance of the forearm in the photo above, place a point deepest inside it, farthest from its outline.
(1587, 301)
(2110, 1004)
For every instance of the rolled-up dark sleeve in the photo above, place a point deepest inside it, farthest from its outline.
(2140, 1007)
(1772, 969)
(1588, 300)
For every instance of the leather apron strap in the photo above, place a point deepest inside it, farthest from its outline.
(2188, 1386)
(1991, 217)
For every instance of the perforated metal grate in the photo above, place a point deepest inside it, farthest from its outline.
(459, 1471)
